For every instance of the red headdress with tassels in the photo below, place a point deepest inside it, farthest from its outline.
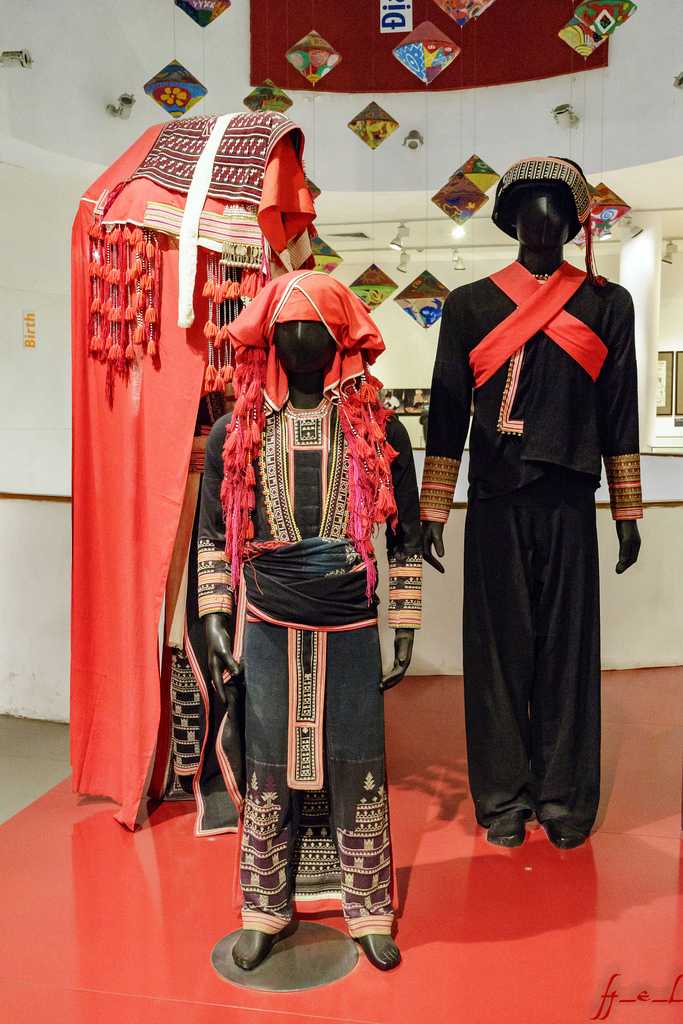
(260, 383)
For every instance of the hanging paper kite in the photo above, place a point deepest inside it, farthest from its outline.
(461, 11)
(313, 57)
(605, 17)
(373, 125)
(326, 259)
(373, 286)
(313, 188)
(465, 191)
(593, 23)
(203, 11)
(606, 209)
(268, 96)
(426, 52)
(423, 299)
(175, 89)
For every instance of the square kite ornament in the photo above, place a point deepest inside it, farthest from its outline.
(606, 207)
(462, 11)
(423, 299)
(175, 89)
(325, 257)
(373, 286)
(581, 38)
(373, 125)
(465, 191)
(203, 11)
(313, 57)
(268, 96)
(426, 52)
(603, 16)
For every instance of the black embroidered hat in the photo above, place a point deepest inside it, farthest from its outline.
(549, 170)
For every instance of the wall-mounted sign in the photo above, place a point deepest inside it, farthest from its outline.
(29, 319)
(665, 378)
(395, 16)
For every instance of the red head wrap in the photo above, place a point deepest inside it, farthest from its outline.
(308, 295)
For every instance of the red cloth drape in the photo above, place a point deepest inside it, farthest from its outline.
(513, 41)
(130, 463)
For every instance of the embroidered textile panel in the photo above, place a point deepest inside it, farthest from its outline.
(623, 479)
(438, 486)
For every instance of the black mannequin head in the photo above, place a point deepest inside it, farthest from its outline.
(544, 216)
(304, 346)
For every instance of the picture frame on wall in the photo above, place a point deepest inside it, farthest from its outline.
(679, 384)
(665, 383)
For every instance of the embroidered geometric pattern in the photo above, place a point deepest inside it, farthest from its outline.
(316, 864)
(623, 479)
(264, 861)
(240, 163)
(185, 708)
(213, 579)
(335, 516)
(438, 486)
(365, 860)
(550, 169)
(274, 480)
(506, 425)
(307, 670)
(405, 592)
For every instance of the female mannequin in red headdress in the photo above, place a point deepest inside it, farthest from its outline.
(548, 353)
(323, 463)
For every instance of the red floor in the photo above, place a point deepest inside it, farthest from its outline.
(100, 926)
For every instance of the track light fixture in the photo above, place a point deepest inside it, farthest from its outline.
(399, 238)
(671, 250)
(123, 107)
(565, 116)
(413, 140)
(458, 261)
(22, 58)
(403, 261)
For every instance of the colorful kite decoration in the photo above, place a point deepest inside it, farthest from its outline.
(426, 52)
(461, 11)
(465, 191)
(203, 11)
(313, 57)
(373, 125)
(423, 299)
(326, 259)
(373, 286)
(268, 96)
(593, 23)
(175, 89)
(313, 188)
(606, 209)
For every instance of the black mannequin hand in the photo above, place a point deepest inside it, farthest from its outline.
(432, 537)
(629, 544)
(219, 651)
(403, 652)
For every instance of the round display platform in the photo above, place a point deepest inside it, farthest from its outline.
(308, 956)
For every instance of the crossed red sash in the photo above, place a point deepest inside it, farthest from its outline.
(540, 307)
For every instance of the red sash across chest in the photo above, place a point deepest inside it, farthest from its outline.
(540, 307)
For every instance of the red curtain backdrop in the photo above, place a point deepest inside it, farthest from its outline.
(130, 464)
(512, 41)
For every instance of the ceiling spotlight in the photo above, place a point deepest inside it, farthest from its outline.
(413, 140)
(678, 81)
(458, 231)
(20, 57)
(123, 108)
(458, 261)
(565, 116)
(633, 229)
(403, 261)
(670, 251)
(399, 238)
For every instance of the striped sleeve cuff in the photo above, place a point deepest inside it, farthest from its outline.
(405, 592)
(438, 487)
(213, 579)
(623, 479)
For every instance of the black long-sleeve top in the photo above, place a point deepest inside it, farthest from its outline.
(301, 491)
(539, 409)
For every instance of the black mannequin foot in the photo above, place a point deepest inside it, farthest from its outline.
(381, 951)
(507, 831)
(563, 836)
(252, 948)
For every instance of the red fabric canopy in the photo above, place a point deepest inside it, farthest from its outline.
(130, 464)
(512, 41)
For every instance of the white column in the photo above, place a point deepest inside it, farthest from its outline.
(640, 271)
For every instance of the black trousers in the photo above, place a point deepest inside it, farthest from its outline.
(532, 652)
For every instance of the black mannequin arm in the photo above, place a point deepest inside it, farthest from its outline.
(629, 544)
(219, 650)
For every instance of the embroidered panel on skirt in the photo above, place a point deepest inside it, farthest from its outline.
(365, 856)
(264, 854)
(307, 651)
(185, 711)
(316, 865)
